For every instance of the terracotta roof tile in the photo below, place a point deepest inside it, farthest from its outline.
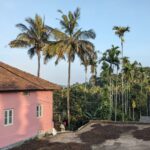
(13, 79)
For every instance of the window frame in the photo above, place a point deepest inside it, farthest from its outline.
(7, 117)
(39, 111)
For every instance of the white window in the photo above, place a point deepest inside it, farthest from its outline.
(8, 118)
(39, 111)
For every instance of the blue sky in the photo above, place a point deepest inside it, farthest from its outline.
(100, 15)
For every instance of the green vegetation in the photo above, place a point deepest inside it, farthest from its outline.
(102, 99)
(120, 92)
(86, 104)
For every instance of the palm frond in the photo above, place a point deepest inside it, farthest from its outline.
(19, 44)
(58, 35)
(47, 57)
(31, 22)
(69, 22)
(77, 13)
(120, 30)
(32, 52)
(86, 46)
(55, 49)
(90, 34)
(25, 37)
(22, 27)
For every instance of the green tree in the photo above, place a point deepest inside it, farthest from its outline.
(32, 37)
(70, 42)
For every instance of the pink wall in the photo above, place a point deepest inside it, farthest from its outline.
(25, 124)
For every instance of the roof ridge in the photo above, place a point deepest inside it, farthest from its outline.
(21, 76)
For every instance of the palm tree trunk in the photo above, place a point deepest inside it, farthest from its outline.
(147, 103)
(110, 99)
(119, 98)
(133, 114)
(39, 64)
(85, 76)
(116, 97)
(140, 101)
(129, 102)
(85, 82)
(126, 97)
(122, 78)
(68, 91)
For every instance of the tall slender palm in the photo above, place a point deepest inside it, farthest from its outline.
(128, 72)
(120, 31)
(111, 56)
(32, 37)
(107, 67)
(141, 80)
(132, 76)
(71, 41)
(114, 53)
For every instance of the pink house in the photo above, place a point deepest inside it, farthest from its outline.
(26, 105)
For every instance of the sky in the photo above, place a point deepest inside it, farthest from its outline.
(99, 15)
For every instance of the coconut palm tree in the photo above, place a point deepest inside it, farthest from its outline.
(120, 31)
(32, 37)
(70, 42)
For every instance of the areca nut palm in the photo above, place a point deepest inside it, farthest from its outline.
(32, 37)
(128, 75)
(112, 57)
(93, 63)
(70, 42)
(114, 53)
(120, 32)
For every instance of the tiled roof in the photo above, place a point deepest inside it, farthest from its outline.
(13, 79)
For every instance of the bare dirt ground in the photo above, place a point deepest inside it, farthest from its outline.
(96, 136)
